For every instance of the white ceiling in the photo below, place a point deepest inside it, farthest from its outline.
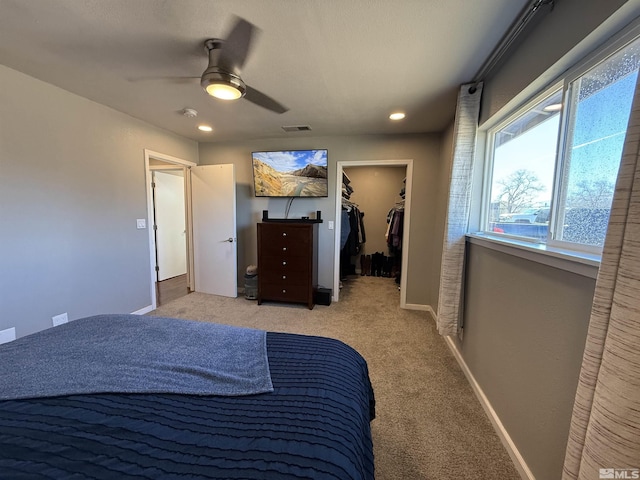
(340, 66)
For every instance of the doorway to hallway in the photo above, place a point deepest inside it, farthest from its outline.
(210, 225)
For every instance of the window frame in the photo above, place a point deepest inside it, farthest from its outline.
(489, 151)
(486, 150)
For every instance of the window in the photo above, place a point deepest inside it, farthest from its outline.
(553, 166)
(524, 158)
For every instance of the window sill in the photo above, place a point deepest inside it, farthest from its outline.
(584, 264)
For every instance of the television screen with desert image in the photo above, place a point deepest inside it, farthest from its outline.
(290, 173)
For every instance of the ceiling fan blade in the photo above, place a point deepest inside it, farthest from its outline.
(265, 101)
(236, 47)
(174, 80)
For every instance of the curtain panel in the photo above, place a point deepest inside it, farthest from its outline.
(604, 438)
(457, 221)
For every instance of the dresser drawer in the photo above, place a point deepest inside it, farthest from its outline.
(284, 265)
(287, 231)
(295, 254)
(283, 293)
(277, 246)
(284, 278)
(285, 239)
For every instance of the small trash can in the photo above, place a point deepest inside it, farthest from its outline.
(251, 283)
(323, 296)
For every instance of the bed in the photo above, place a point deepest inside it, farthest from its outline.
(312, 419)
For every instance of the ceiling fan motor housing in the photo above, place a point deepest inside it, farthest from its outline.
(216, 76)
(222, 79)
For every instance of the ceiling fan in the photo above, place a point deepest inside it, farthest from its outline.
(222, 78)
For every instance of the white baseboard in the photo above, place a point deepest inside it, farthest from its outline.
(417, 306)
(142, 311)
(505, 438)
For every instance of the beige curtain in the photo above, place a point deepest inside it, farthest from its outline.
(457, 222)
(605, 427)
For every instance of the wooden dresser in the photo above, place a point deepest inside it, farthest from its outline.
(287, 262)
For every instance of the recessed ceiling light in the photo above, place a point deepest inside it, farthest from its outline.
(397, 116)
(205, 128)
(554, 107)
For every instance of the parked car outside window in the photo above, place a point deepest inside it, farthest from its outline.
(527, 215)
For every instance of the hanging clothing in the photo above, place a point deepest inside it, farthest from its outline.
(363, 236)
(352, 233)
(345, 228)
(395, 224)
(354, 243)
(395, 219)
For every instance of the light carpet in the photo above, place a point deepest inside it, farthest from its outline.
(429, 424)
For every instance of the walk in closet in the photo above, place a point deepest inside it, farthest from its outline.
(372, 221)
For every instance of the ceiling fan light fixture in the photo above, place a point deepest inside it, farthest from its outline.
(223, 91)
(222, 85)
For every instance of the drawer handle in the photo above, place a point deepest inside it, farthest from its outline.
(284, 263)
(284, 249)
(284, 234)
(284, 291)
(284, 277)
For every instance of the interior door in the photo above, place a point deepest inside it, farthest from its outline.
(169, 210)
(213, 194)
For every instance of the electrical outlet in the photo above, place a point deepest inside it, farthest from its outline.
(141, 223)
(8, 335)
(60, 319)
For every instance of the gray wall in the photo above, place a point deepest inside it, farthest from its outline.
(525, 323)
(552, 47)
(72, 183)
(524, 333)
(423, 149)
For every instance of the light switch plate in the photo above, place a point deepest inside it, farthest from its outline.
(60, 319)
(8, 335)
(330, 224)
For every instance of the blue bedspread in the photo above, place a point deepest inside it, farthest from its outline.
(135, 354)
(314, 425)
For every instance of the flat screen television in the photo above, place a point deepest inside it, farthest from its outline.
(290, 173)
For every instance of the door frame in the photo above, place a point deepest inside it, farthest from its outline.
(185, 165)
(408, 164)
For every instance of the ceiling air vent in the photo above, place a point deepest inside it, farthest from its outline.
(296, 128)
